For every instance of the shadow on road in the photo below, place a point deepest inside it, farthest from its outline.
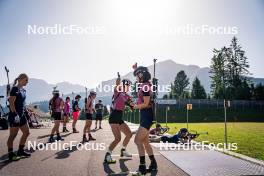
(65, 153)
(122, 165)
(154, 173)
(107, 169)
(48, 135)
(62, 154)
(4, 161)
(94, 130)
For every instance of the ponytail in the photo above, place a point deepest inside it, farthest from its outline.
(15, 81)
(21, 76)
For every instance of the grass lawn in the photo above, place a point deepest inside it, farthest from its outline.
(248, 136)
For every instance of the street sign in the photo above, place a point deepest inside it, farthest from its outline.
(227, 104)
(166, 102)
(189, 106)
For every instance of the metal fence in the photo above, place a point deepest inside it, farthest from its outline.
(204, 111)
(206, 103)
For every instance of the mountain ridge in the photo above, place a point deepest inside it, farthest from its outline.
(40, 90)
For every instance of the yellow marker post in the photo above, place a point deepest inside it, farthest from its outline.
(188, 107)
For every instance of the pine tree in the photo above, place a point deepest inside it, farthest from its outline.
(105, 111)
(229, 71)
(219, 73)
(198, 91)
(237, 67)
(181, 82)
(165, 96)
(258, 92)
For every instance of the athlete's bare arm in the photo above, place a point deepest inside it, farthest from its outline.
(145, 104)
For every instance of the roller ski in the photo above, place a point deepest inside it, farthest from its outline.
(13, 157)
(108, 159)
(153, 167)
(141, 171)
(23, 154)
(124, 153)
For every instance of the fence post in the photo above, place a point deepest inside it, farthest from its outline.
(167, 109)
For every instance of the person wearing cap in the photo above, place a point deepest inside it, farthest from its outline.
(119, 100)
(89, 116)
(75, 113)
(56, 105)
(99, 107)
(145, 105)
(156, 131)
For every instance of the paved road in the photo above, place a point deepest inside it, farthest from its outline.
(76, 162)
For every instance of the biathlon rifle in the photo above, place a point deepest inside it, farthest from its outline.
(155, 93)
(8, 88)
(194, 135)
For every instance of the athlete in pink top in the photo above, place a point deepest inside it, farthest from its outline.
(56, 107)
(119, 100)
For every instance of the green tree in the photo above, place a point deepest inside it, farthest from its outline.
(165, 96)
(229, 71)
(105, 111)
(133, 90)
(237, 67)
(243, 92)
(181, 82)
(198, 91)
(219, 73)
(82, 115)
(258, 92)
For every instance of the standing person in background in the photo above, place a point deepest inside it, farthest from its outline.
(56, 107)
(89, 116)
(66, 113)
(99, 107)
(75, 113)
(17, 119)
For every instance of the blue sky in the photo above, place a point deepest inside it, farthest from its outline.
(133, 31)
